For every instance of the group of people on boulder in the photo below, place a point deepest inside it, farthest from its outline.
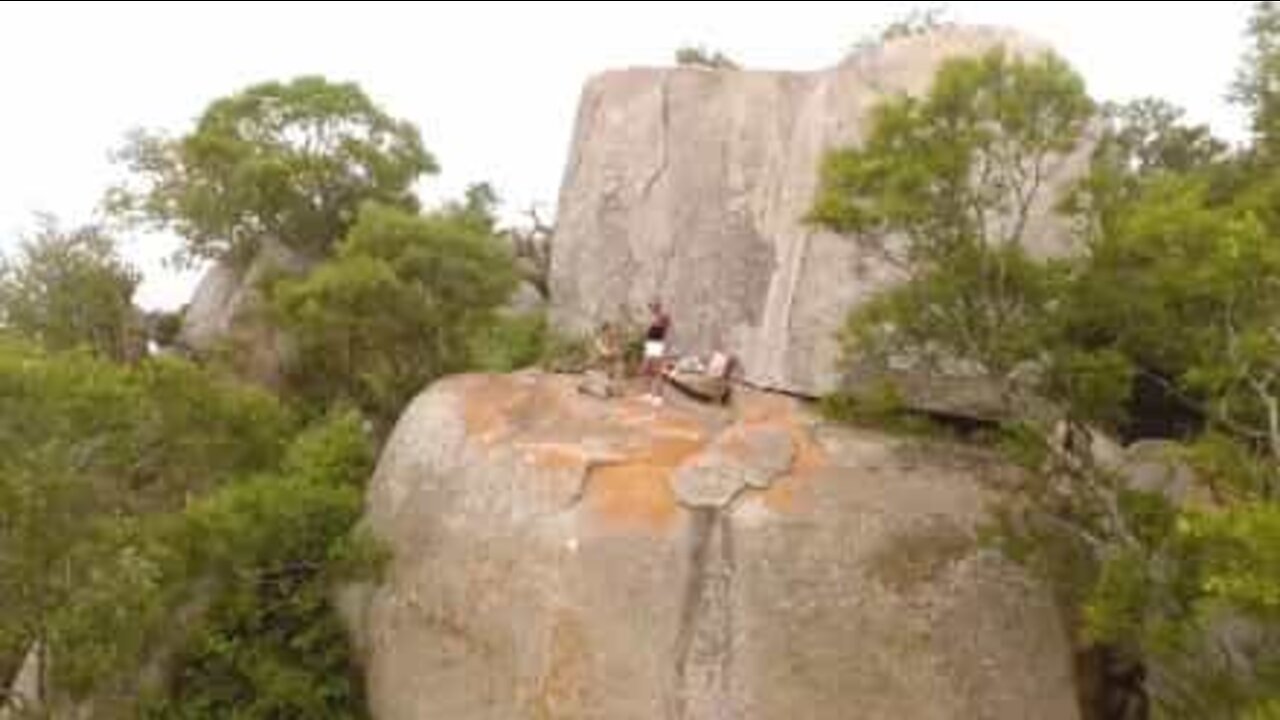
(657, 365)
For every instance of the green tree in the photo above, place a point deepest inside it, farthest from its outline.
(290, 162)
(1138, 141)
(513, 341)
(1151, 135)
(1256, 181)
(271, 644)
(88, 450)
(169, 548)
(397, 307)
(1179, 284)
(1257, 84)
(963, 164)
(1175, 283)
(943, 188)
(70, 288)
(479, 207)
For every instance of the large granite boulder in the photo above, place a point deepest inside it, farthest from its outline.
(227, 314)
(559, 556)
(691, 185)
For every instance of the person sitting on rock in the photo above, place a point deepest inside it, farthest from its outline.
(608, 351)
(655, 350)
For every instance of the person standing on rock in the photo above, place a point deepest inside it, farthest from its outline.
(655, 350)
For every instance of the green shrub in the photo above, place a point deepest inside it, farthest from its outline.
(512, 342)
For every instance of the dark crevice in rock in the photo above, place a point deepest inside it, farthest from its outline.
(665, 130)
(664, 164)
(1156, 408)
(584, 482)
(1111, 685)
(704, 643)
(963, 427)
(701, 521)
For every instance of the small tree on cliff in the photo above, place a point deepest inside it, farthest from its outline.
(291, 162)
(701, 57)
(916, 21)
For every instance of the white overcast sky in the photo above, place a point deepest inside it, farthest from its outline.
(493, 86)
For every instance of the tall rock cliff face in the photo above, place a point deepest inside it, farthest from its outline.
(560, 557)
(691, 185)
(556, 556)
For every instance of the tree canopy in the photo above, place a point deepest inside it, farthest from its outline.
(943, 187)
(70, 288)
(397, 307)
(292, 162)
(1162, 325)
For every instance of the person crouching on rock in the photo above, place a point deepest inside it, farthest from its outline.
(655, 350)
(608, 352)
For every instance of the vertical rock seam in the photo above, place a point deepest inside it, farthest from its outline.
(704, 644)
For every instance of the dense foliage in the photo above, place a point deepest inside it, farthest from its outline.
(171, 539)
(290, 162)
(270, 549)
(398, 306)
(163, 537)
(1164, 323)
(70, 289)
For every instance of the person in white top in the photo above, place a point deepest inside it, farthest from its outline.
(655, 349)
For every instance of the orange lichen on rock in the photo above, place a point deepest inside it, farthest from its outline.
(636, 493)
(498, 407)
(636, 415)
(792, 492)
(632, 496)
(733, 442)
(758, 407)
(488, 401)
(630, 449)
(556, 456)
(781, 495)
(810, 456)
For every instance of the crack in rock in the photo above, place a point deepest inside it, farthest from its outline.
(701, 686)
(665, 130)
(740, 458)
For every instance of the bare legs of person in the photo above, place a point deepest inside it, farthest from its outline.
(655, 383)
(652, 370)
